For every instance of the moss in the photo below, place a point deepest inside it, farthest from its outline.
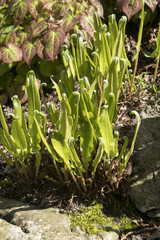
(92, 220)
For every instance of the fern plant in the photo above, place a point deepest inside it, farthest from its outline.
(84, 138)
(107, 61)
(24, 143)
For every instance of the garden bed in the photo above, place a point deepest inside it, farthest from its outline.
(45, 193)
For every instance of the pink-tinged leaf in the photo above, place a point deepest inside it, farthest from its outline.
(86, 22)
(64, 10)
(29, 51)
(20, 37)
(11, 53)
(93, 2)
(36, 7)
(0, 55)
(29, 29)
(131, 7)
(99, 9)
(20, 10)
(53, 40)
(2, 2)
(32, 4)
(68, 22)
(39, 28)
(39, 48)
(10, 38)
(152, 4)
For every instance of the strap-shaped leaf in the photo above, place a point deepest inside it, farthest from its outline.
(48, 146)
(98, 157)
(53, 41)
(54, 114)
(84, 83)
(106, 53)
(33, 96)
(105, 129)
(65, 119)
(57, 89)
(81, 56)
(113, 30)
(112, 106)
(119, 48)
(3, 121)
(7, 141)
(61, 148)
(66, 83)
(86, 142)
(20, 117)
(8, 161)
(77, 162)
(75, 157)
(33, 104)
(68, 62)
(87, 107)
(74, 104)
(11, 53)
(18, 135)
(113, 79)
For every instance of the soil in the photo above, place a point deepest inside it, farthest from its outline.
(46, 193)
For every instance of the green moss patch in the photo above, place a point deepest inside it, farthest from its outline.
(92, 220)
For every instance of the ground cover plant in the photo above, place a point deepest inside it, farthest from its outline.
(24, 142)
(32, 32)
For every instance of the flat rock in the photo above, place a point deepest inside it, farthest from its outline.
(145, 179)
(21, 221)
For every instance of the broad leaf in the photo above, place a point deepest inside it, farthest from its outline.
(131, 7)
(39, 28)
(53, 42)
(20, 10)
(68, 22)
(86, 22)
(29, 51)
(39, 48)
(152, 4)
(20, 37)
(34, 6)
(11, 53)
(64, 9)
